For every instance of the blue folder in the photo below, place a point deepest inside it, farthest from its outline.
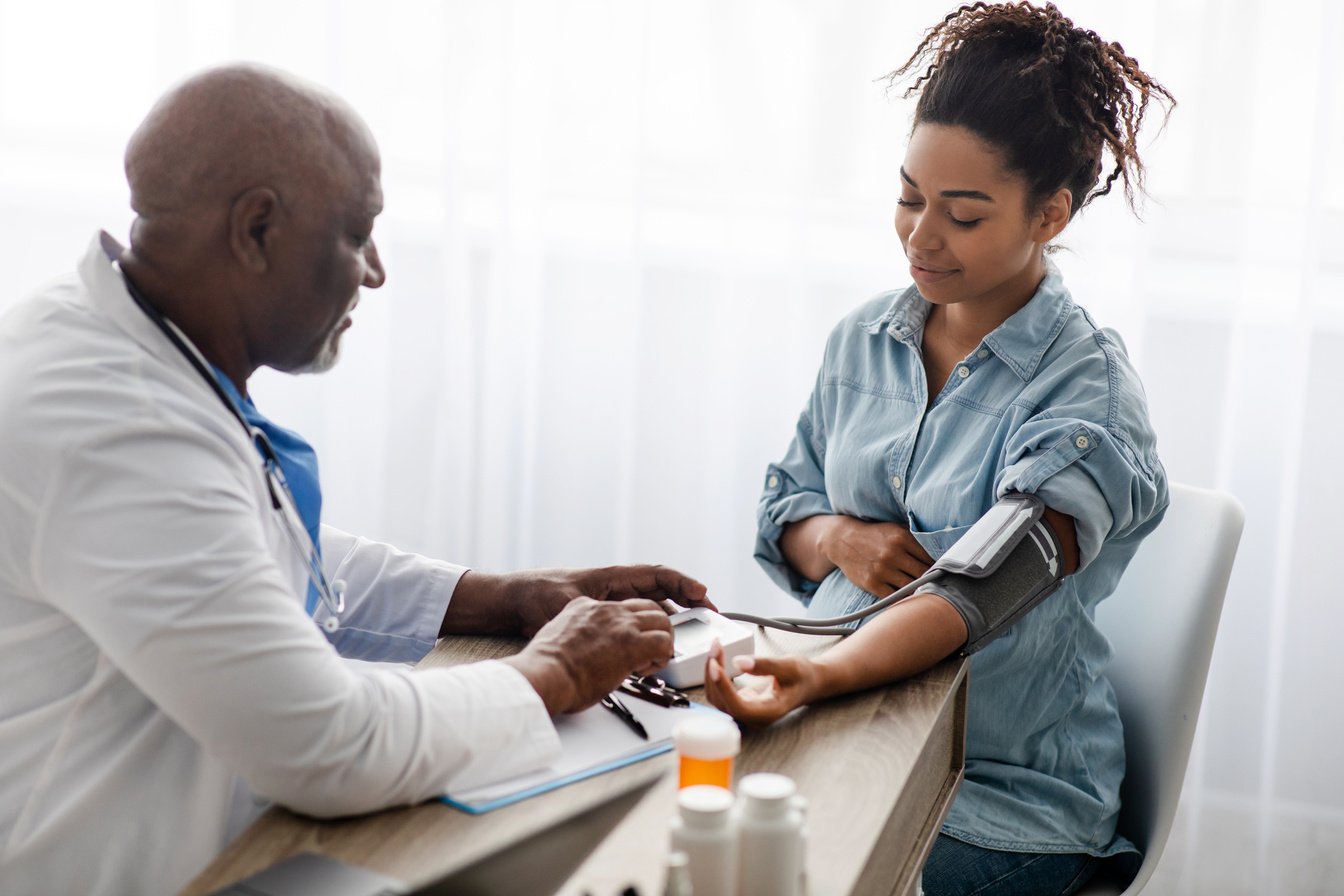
(592, 742)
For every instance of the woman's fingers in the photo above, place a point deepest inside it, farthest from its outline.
(768, 697)
(720, 690)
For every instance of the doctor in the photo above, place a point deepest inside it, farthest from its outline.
(160, 570)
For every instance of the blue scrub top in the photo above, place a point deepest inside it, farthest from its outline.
(298, 463)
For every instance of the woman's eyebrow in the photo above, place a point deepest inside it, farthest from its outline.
(951, 194)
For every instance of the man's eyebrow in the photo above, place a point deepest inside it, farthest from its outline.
(951, 194)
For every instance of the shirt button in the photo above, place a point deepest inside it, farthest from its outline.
(963, 371)
(1081, 441)
(896, 482)
(772, 481)
(982, 354)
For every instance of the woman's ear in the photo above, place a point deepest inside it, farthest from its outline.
(1053, 215)
(251, 219)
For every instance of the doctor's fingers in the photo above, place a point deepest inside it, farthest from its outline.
(659, 650)
(642, 641)
(598, 667)
(585, 619)
(678, 588)
(636, 631)
(648, 581)
(642, 613)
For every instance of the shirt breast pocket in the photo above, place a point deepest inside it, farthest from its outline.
(939, 541)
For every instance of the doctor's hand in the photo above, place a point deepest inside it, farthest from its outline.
(878, 557)
(786, 683)
(523, 602)
(585, 652)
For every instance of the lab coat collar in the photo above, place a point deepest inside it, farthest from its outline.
(110, 298)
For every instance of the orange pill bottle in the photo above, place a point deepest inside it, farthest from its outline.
(705, 750)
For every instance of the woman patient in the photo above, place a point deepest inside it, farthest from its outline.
(981, 379)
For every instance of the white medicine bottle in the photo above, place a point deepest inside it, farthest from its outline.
(703, 829)
(770, 837)
(678, 881)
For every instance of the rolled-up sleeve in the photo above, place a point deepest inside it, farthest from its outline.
(795, 489)
(1092, 456)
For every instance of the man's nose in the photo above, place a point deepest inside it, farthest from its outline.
(374, 275)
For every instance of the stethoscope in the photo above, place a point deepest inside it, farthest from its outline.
(332, 594)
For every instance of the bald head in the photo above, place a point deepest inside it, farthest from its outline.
(255, 195)
(233, 128)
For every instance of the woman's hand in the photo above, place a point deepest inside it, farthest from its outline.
(878, 557)
(902, 640)
(786, 683)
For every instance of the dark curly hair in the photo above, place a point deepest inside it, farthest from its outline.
(1050, 97)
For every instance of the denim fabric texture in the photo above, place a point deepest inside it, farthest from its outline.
(1047, 404)
(960, 869)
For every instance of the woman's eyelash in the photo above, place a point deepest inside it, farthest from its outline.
(914, 203)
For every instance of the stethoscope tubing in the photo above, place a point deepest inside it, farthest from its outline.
(834, 625)
(332, 595)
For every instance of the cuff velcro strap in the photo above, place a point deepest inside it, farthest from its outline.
(999, 594)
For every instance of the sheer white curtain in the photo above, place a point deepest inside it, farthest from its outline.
(618, 232)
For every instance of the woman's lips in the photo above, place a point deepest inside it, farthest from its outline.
(925, 275)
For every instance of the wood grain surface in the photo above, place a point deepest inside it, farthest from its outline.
(878, 768)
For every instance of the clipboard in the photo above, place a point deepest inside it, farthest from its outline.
(591, 742)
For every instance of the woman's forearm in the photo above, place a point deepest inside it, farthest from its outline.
(801, 545)
(901, 641)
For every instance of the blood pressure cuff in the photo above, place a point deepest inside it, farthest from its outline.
(1003, 566)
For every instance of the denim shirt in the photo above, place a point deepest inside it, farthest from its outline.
(1047, 404)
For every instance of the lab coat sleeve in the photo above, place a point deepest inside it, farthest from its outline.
(394, 601)
(151, 538)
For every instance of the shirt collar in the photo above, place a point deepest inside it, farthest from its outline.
(1020, 341)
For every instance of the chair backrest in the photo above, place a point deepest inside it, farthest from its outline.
(1161, 621)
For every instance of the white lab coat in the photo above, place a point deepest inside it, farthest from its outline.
(154, 649)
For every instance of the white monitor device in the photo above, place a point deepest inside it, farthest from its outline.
(693, 631)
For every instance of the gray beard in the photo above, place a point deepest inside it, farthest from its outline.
(326, 358)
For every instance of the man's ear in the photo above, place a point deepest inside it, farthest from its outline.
(252, 216)
(1054, 215)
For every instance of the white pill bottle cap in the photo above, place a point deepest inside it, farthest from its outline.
(766, 795)
(705, 806)
(711, 737)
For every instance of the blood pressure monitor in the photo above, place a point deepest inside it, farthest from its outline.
(693, 631)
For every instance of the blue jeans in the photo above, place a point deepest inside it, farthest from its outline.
(955, 868)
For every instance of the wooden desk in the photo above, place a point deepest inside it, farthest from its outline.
(879, 770)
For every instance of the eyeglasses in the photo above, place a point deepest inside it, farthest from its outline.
(282, 499)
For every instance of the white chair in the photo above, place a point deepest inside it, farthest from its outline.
(1162, 620)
